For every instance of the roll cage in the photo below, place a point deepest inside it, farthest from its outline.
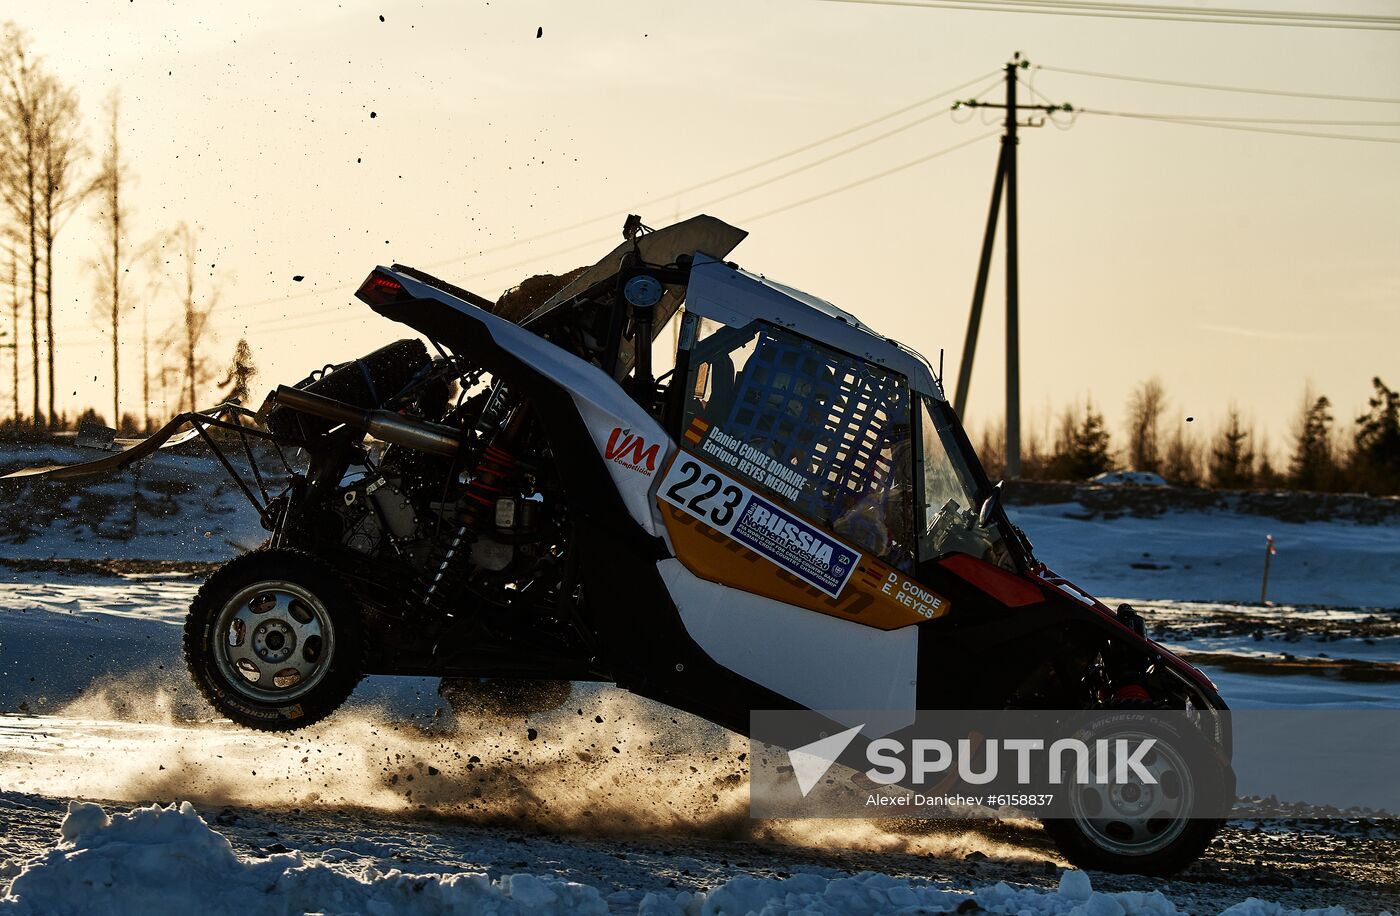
(921, 457)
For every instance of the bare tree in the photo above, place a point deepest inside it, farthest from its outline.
(115, 258)
(1145, 407)
(14, 329)
(195, 307)
(165, 373)
(991, 449)
(59, 193)
(21, 84)
(1182, 459)
(145, 367)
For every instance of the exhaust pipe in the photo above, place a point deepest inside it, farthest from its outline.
(382, 424)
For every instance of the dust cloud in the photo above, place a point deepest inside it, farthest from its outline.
(606, 764)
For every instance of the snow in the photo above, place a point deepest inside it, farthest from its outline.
(102, 630)
(173, 506)
(1255, 631)
(1253, 906)
(1305, 691)
(158, 859)
(1218, 556)
(167, 860)
(92, 661)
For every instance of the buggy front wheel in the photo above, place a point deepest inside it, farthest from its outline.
(1154, 827)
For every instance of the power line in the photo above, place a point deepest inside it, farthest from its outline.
(1158, 13)
(747, 219)
(796, 151)
(785, 207)
(1173, 9)
(822, 161)
(869, 178)
(1236, 119)
(1221, 125)
(1287, 93)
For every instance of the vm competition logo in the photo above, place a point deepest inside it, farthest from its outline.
(631, 451)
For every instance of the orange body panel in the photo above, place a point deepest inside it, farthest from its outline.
(877, 594)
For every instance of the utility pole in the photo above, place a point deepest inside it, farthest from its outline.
(1013, 286)
(1005, 180)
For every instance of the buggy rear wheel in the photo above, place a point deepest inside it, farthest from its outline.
(274, 640)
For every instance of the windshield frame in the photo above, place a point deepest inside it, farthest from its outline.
(983, 486)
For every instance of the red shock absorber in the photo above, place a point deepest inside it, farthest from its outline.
(496, 467)
(1132, 692)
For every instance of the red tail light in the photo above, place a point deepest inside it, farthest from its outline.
(381, 289)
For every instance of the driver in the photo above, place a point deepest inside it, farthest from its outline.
(881, 520)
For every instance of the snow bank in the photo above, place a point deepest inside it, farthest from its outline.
(1217, 556)
(167, 860)
(164, 860)
(169, 507)
(870, 893)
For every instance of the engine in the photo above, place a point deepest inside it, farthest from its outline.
(480, 518)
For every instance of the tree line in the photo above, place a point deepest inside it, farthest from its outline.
(51, 171)
(1322, 454)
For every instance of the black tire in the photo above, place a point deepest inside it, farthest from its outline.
(503, 698)
(324, 653)
(1094, 843)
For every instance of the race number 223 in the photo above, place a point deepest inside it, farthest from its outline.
(704, 493)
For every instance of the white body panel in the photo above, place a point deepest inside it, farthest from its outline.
(601, 402)
(822, 662)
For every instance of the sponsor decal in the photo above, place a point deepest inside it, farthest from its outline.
(631, 451)
(746, 461)
(912, 595)
(789, 542)
(792, 543)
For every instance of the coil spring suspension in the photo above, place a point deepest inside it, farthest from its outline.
(496, 467)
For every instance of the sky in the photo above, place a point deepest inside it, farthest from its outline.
(320, 140)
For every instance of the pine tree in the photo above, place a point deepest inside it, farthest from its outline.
(1091, 451)
(1376, 451)
(1313, 466)
(1231, 457)
(1265, 476)
(240, 373)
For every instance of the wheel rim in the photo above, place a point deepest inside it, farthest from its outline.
(273, 641)
(1135, 818)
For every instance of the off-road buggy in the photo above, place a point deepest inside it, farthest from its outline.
(752, 502)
